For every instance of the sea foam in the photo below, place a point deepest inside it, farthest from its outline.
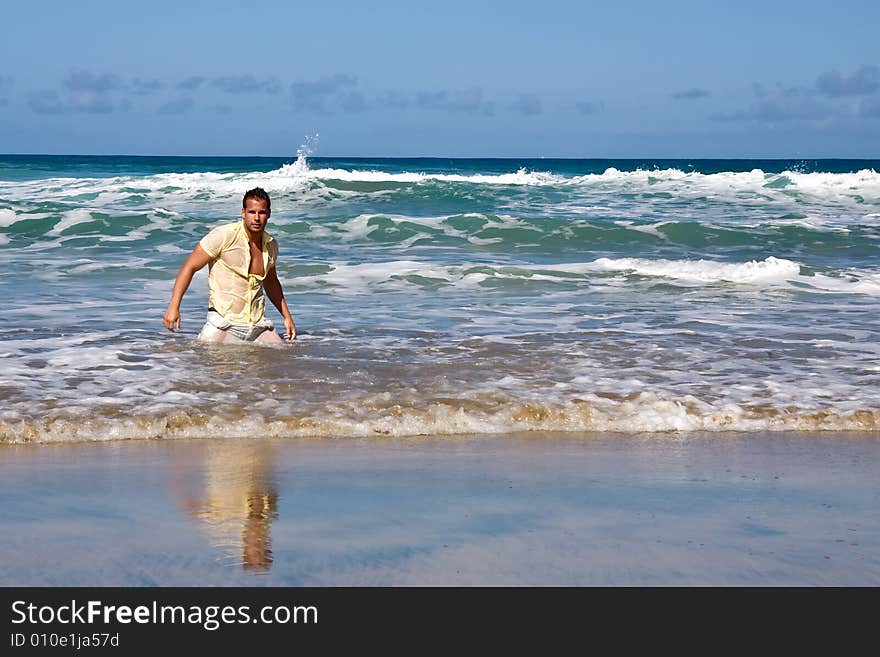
(641, 413)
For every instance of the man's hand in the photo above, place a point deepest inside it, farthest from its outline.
(289, 329)
(196, 260)
(171, 317)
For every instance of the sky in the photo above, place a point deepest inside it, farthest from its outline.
(443, 78)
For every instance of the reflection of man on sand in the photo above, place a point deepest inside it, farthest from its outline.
(242, 258)
(238, 502)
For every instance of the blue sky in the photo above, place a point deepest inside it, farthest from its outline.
(506, 79)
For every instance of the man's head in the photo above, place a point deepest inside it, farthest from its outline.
(258, 194)
(255, 209)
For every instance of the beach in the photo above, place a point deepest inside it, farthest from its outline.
(516, 510)
(507, 371)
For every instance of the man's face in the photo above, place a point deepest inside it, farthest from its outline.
(255, 214)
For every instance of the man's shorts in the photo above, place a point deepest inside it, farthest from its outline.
(246, 332)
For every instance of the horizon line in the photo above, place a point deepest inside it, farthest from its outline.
(455, 157)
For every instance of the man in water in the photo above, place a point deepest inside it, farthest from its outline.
(242, 258)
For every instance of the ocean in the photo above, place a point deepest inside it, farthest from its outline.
(446, 296)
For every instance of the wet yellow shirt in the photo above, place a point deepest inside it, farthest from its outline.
(234, 293)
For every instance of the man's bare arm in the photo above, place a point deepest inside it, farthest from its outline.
(196, 260)
(276, 295)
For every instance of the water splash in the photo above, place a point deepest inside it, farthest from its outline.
(299, 169)
(308, 148)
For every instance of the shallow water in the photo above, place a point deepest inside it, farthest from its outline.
(447, 296)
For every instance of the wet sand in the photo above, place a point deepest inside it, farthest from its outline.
(528, 509)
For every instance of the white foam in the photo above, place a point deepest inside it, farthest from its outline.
(7, 217)
(857, 282)
(770, 272)
(816, 224)
(837, 199)
(171, 248)
(71, 218)
(134, 264)
(706, 271)
(650, 229)
(520, 177)
(353, 278)
(642, 412)
(359, 227)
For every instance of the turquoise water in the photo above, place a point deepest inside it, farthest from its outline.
(438, 296)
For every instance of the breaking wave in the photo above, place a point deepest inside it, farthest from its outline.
(640, 413)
